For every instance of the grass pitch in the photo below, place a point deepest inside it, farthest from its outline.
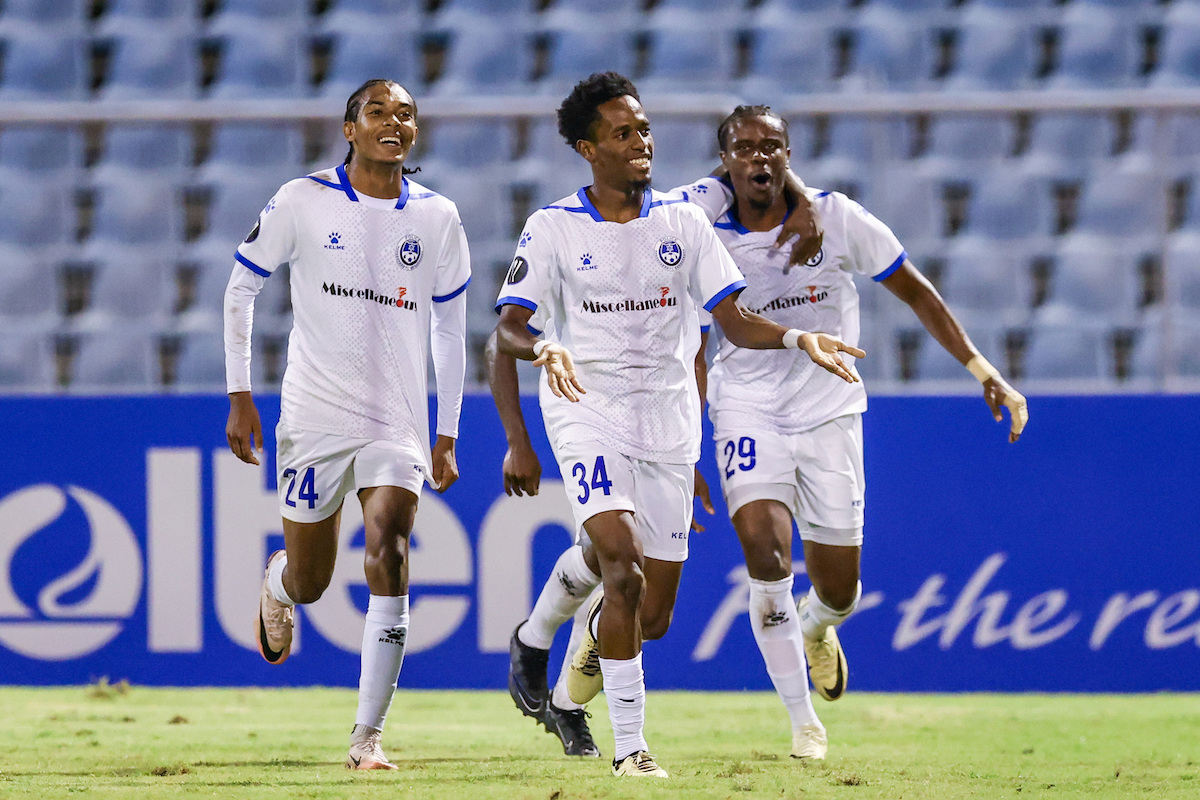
(120, 742)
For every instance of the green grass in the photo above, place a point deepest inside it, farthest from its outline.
(231, 743)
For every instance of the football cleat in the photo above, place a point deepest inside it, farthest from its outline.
(826, 660)
(365, 751)
(639, 765)
(275, 621)
(527, 676)
(570, 726)
(809, 742)
(584, 679)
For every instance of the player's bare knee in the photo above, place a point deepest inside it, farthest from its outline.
(308, 588)
(841, 598)
(626, 587)
(656, 626)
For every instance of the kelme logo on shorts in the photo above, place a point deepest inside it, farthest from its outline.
(517, 270)
(408, 252)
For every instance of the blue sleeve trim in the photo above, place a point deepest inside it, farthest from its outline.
(736, 286)
(823, 194)
(669, 201)
(705, 328)
(533, 330)
(895, 266)
(250, 265)
(443, 298)
(515, 301)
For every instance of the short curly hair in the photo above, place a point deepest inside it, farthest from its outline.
(578, 115)
(745, 112)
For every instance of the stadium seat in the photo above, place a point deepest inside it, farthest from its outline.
(238, 17)
(37, 218)
(154, 151)
(45, 154)
(1068, 145)
(134, 216)
(891, 52)
(1183, 358)
(21, 18)
(601, 16)
(455, 144)
(876, 338)
(698, 58)
(200, 364)
(1181, 274)
(1130, 206)
(145, 17)
(550, 164)
(1179, 60)
(26, 362)
(28, 300)
(152, 65)
(485, 60)
(989, 284)
(116, 361)
(1094, 279)
(265, 152)
(576, 52)
(993, 51)
(685, 140)
(934, 363)
(1011, 207)
(129, 292)
(1098, 49)
(354, 16)
(373, 52)
(911, 205)
(962, 145)
(1148, 359)
(1059, 353)
(693, 13)
(261, 62)
(783, 61)
(483, 204)
(44, 66)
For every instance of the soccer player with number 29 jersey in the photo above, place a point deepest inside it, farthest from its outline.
(379, 266)
(621, 272)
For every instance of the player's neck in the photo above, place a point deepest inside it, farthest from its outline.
(376, 180)
(617, 205)
(762, 218)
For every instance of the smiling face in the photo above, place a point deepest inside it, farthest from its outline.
(756, 154)
(386, 125)
(622, 148)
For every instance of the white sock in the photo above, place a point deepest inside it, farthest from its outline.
(569, 584)
(625, 688)
(275, 581)
(384, 637)
(776, 627)
(560, 697)
(818, 616)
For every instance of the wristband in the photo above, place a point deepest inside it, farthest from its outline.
(981, 369)
(791, 338)
(539, 346)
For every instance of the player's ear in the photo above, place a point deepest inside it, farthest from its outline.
(348, 131)
(586, 148)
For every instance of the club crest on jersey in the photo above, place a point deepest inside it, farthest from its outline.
(517, 270)
(670, 252)
(816, 260)
(408, 252)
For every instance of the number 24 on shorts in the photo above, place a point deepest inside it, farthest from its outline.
(599, 479)
(745, 451)
(308, 489)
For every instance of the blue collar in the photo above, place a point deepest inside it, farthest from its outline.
(590, 208)
(735, 224)
(343, 185)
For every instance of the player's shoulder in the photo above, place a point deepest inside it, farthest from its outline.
(679, 209)
(423, 196)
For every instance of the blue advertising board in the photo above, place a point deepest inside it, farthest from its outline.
(132, 545)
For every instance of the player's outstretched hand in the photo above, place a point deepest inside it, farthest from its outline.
(702, 494)
(823, 349)
(997, 393)
(445, 464)
(522, 470)
(560, 371)
(805, 223)
(243, 431)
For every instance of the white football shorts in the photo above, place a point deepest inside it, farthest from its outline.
(817, 474)
(598, 478)
(317, 470)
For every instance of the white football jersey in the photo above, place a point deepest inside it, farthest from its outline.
(783, 389)
(363, 279)
(623, 298)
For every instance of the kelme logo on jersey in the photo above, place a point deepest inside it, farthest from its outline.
(335, 240)
(84, 608)
(670, 252)
(408, 252)
(371, 296)
(815, 295)
(517, 270)
(662, 301)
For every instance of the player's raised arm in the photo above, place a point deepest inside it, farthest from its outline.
(513, 337)
(746, 329)
(522, 469)
(803, 222)
(913, 288)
